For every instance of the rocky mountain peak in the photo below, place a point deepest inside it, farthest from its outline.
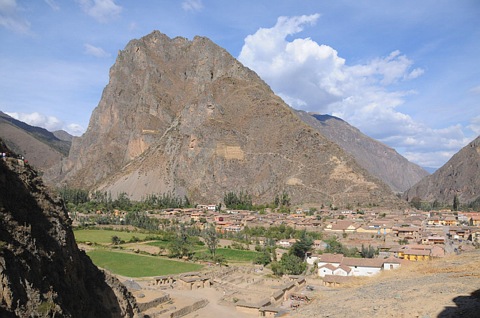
(186, 117)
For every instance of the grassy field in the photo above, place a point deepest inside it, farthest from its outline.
(133, 265)
(237, 255)
(164, 244)
(104, 236)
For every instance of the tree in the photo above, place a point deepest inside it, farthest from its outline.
(416, 202)
(116, 240)
(302, 246)
(211, 239)
(277, 269)
(368, 252)
(456, 203)
(293, 265)
(263, 258)
(181, 245)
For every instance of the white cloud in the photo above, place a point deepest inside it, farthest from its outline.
(192, 5)
(95, 51)
(50, 123)
(475, 90)
(101, 10)
(74, 129)
(10, 18)
(475, 125)
(365, 95)
(53, 5)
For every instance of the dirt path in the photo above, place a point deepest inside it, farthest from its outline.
(213, 309)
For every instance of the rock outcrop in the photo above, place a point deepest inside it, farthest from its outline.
(460, 177)
(42, 271)
(381, 161)
(187, 118)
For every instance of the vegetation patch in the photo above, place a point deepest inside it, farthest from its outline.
(105, 236)
(232, 255)
(134, 265)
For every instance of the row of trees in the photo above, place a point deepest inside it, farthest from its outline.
(456, 205)
(243, 201)
(81, 200)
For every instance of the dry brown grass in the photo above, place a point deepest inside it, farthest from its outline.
(464, 265)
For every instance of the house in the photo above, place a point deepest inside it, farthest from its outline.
(327, 269)
(433, 239)
(391, 263)
(286, 243)
(363, 266)
(450, 221)
(328, 258)
(416, 255)
(342, 226)
(334, 280)
(474, 220)
(406, 232)
(342, 270)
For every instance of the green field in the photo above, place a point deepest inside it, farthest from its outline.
(133, 265)
(165, 244)
(232, 255)
(105, 236)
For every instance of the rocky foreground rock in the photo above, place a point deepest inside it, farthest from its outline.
(42, 271)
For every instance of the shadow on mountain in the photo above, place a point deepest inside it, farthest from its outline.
(42, 271)
(467, 307)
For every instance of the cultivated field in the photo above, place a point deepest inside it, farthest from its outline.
(141, 259)
(135, 265)
(105, 236)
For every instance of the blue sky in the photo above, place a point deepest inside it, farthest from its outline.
(404, 72)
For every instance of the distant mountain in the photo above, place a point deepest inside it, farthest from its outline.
(430, 169)
(63, 135)
(187, 118)
(381, 161)
(460, 176)
(39, 146)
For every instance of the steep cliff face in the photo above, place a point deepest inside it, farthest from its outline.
(381, 161)
(460, 176)
(42, 271)
(185, 117)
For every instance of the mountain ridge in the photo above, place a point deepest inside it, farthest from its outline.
(380, 160)
(459, 176)
(38, 145)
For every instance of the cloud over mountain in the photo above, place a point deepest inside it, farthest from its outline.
(314, 77)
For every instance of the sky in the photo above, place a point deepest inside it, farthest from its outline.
(406, 73)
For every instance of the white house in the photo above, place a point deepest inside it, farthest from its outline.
(391, 263)
(327, 269)
(342, 270)
(337, 264)
(363, 266)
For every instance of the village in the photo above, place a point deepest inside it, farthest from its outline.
(398, 237)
